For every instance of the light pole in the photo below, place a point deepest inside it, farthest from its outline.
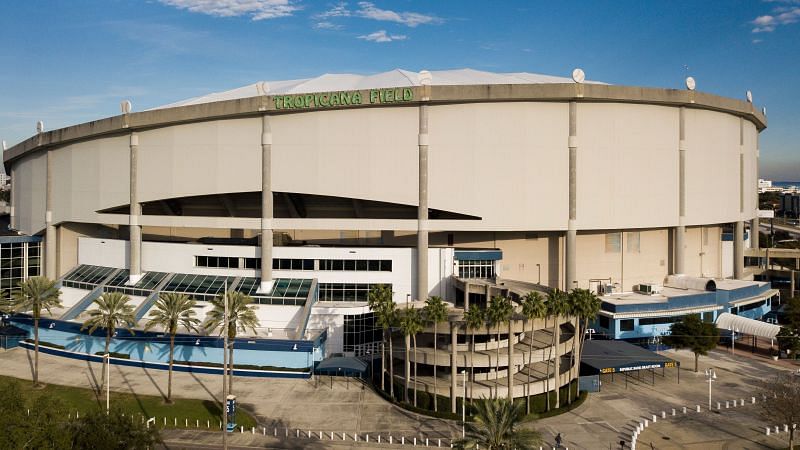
(464, 407)
(733, 339)
(108, 381)
(225, 369)
(710, 376)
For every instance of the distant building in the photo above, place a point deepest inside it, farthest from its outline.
(4, 180)
(790, 204)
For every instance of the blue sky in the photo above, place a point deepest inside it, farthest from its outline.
(71, 62)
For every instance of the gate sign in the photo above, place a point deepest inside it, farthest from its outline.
(230, 407)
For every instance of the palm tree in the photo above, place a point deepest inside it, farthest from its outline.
(495, 427)
(410, 325)
(241, 317)
(585, 306)
(35, 294)
(556, 307)
(435, 312)
(385, 311)
(475, 318)
(498, 313)
(113, 311)
(171, 311)
(533, 307)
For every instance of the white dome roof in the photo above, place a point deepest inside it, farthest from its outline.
(395, 78)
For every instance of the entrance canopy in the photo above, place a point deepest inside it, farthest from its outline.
(342, 366)
(743, 325)
(619, 356)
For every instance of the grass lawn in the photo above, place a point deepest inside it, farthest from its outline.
(84, 400)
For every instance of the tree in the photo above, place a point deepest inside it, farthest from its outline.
(498, 313)
(692, 333)
(170, 312)
(557, 306)
(495, 427)
(385, 310)
(411, 325)
(114, 430)
(789, 340)
(585, 307)
(533, 307)
(435, 313)
(475, 318)
(113, 311)
(34, 295)
(783, 401)
(793, 312)
(241, 317)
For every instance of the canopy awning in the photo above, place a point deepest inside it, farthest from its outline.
(342, 365)
(755, 299)
(599, 357)
(728, 321)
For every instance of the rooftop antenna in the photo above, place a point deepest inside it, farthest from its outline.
(764, 110)
(749, 96)
(425, 78)
(125, 106)
(5, 146)
(690, 83)
(39, 127)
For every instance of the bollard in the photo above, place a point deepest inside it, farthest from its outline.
(309, 434)
(741, 402)
(698, 408)
(264, 430)
(379, 439)
(767, 431)
(390, 439)
(355, 437)
(287, 432)
(752, 400)
(415, 442)
(208, 424)
(402, 440)
(440, 443)
(663, 414)
(673, 411)
(197, 423)
(426, 442)
(785, 428)
(655, 419)
(241, 429)
(646, 423)
(186, 423)
(684, 410)
(298, 432)
(276, 432)
(367, 438)
(344, 435)
(719, 405)
(331, 435)
(176, 422)
(320, 435)
(777, 430)
(253, 430)
(727, 404)
(165, 421)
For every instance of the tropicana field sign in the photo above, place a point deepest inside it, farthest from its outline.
(343, 98)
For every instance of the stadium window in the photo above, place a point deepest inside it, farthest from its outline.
(626, 325)
(634, 238)
(603, 322)
(612, 242)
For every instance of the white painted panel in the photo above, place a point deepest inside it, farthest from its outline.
(359, 153)
(200, 158)
(712, 167)
(30, 182)
(504, 162)
(627, 166)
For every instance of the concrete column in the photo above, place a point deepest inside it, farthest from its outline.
(755, 226)
(466, 296)
(422, 210)
(135, 213)
(738, 250)
(570, 270)
(12, 219)
(453, 366)
(50, 229)
(266, 205)
(679, 252)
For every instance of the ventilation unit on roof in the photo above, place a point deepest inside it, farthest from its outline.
(648, 288)
(606, 289)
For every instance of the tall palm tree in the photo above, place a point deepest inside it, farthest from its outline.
(435, 312)
(113, 311)
(241, 317)
(495, 427)
(34, 295)
(586, 306)
(533, 307)
(498, 313)
(556, 307)
(410, 325)
(170, 312)
(475, 318)
(385, 311)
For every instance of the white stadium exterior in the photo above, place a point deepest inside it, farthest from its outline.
(464, 180)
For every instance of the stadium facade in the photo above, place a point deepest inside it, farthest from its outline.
(462, 184)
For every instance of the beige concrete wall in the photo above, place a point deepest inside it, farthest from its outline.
(67, 242)
(358, 153)
(703, 257)
(30, 182)
(750, 170)
(627, 266)
(627, 166)
(504, 162)
(200, 158)
(89, 177)
(712, 167)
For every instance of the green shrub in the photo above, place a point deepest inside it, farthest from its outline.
(47, 344)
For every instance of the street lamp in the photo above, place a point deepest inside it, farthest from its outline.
(710, 376)
(733, 339)
(108, 381)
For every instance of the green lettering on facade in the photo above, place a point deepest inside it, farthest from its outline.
(408, 95)
(342, 98)
(345, 98)
(373, 96)
(356, 98)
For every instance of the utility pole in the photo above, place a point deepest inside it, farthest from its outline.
(225, 370)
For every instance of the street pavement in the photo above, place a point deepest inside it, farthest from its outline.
(349, 408)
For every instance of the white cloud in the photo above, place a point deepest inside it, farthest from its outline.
(255, 9)
(383, 36)
(325, 25)
(368, 10)
(780, 16)
(340, 10)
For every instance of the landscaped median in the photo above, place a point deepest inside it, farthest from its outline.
(182, 413)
